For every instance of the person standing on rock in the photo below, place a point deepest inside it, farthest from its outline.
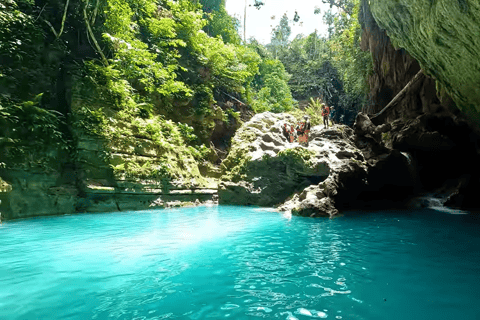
(286, 132)
(292, 134)
(332, 114)
(325, 113)
(289, 132)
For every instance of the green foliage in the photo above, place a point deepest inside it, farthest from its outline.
(212, 5)
(274, 94)
(386, 137)
(314, 110)
(235, 115)
(354, 64)
(280, 34)
(234, 167)
(346, 6)
(297, 155)
(221, 24)
(333, 68)
(30, 135)
(92, 122)
(21, 45)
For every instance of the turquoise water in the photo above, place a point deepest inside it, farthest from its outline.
(240, 263)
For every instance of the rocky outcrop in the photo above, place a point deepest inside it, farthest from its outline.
(443, 37)
(443, 152)
(328, 175)
(446, 153)
(262, 168)
(35, 194)
(392, 69)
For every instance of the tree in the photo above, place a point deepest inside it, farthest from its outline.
(272, 82)
(220, 23)
(212, 5)
(280, 35)
(346, 6)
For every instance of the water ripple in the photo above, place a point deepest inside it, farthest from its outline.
(234, 262)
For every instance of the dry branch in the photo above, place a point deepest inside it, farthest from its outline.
(402, 92)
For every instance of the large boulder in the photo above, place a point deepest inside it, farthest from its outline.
(263, 168)
(328, 175)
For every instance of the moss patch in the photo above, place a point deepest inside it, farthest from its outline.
(4, 186)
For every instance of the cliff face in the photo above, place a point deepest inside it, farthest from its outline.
(127, 163)
(93, 186)
(425, 122)
(443, 36)
(393, 69)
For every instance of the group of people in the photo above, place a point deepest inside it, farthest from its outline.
(302, 129)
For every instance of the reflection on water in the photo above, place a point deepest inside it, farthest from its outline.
(240, 263)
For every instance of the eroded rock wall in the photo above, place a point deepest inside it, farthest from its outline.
(443, 36)
(394, 68)
(425, 122)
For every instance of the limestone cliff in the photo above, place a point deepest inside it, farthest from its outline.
(443, 36)
(114, 161)
(425, 121)
(393, 69)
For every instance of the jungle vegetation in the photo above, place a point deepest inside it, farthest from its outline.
(158, 69)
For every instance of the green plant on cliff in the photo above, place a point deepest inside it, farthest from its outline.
(313, 110)
(30, 135)
(297, 156)
(234, 167)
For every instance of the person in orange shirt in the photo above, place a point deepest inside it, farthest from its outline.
(325, 114)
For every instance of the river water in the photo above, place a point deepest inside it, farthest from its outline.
(241, 263)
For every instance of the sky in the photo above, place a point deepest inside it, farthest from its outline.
(260, 22)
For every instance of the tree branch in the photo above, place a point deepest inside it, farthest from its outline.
(94, 15)
(51, 27)
(40, 12)
(419, 76)
(89, 29)
(63, 19)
